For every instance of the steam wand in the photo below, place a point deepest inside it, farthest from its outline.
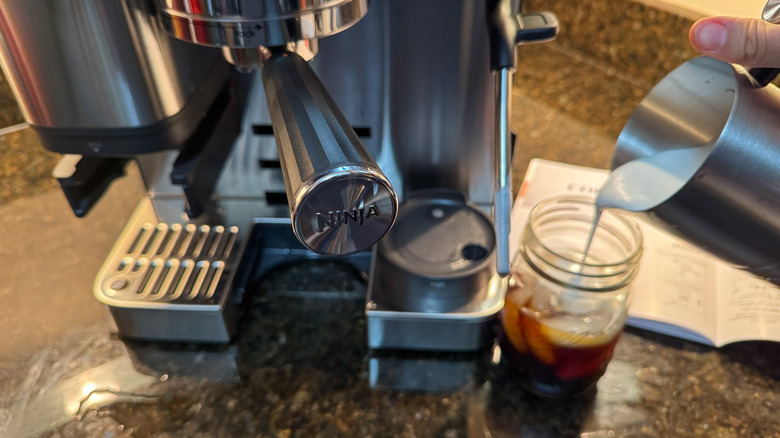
(507, 30)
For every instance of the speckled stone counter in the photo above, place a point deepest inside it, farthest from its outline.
(300, 366)
(9, 111)
(25, 167)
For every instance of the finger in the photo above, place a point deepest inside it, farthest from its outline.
(750, 42)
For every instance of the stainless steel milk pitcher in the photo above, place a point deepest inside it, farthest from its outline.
(731, 205)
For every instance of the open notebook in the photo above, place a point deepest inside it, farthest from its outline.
(680, 290)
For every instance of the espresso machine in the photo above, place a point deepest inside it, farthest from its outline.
(271, 131)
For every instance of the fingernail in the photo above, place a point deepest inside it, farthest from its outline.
(711, 36)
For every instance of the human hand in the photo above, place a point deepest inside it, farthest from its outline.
(745, 41)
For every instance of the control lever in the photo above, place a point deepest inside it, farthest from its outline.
(340, 201)
(202, 157)
(507, 30)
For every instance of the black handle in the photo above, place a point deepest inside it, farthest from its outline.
(84, 179)
(201, 159)
(507, 29)
(763, 76)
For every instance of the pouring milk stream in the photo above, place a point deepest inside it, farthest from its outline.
(644, 183)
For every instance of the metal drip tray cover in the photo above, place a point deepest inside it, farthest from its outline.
(171, 281)
(163, 263)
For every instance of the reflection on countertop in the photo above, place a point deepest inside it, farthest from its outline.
(300, 366)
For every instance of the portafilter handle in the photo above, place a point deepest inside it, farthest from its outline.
(340, 201)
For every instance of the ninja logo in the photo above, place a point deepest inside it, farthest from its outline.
(335, 219)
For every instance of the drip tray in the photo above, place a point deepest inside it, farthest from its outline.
(172, 281)
(432, 284)
(466, 329)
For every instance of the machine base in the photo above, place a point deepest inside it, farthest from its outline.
(185, 282)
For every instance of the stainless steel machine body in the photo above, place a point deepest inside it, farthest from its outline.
(413, 79)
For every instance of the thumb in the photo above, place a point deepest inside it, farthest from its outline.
(746, 41)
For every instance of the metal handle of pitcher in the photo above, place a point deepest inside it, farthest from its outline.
(340, 201)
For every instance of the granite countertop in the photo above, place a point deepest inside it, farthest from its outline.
(300, 366)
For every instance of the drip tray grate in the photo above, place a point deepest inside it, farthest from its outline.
(173, 281)
(172, 263)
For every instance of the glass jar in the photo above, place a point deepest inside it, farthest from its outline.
(563, 312)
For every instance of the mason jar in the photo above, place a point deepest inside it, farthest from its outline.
(564, 310)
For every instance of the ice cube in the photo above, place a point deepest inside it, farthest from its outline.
(575, 301)
(544, 298)
(593, 322)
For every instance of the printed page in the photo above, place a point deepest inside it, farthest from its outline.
(748, 307)
(675, 285)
